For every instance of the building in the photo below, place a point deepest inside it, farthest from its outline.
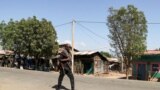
(147, 66)
(6, 57)
(114, 64)
(90, 62)
(87, 62)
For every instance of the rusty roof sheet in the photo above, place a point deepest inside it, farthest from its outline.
(6, 52)
(85, 53)
(113, 59)
(152, 52)
(2, 52)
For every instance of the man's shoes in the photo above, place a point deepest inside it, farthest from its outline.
(58, 87)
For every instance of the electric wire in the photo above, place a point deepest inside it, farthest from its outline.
(91, 31)
(63, 24)
(100, 22)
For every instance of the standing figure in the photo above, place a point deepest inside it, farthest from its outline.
(64, 66)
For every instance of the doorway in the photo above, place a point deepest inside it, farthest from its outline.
(88, 67)
(141, 72)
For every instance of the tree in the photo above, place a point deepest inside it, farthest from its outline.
(128, 32)
(37, 38)
(2, 25)
(7, 34)
(30, 37)
(106, 54)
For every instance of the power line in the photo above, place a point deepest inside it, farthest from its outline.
(90, 22)
(94, 22)
(153, 23)
(91, 31)
(63, 24)
(88, 35)
(106, 22)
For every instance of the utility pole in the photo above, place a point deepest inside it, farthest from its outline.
(73, 29)
(121, 58)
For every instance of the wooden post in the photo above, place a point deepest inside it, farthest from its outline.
(73, 28)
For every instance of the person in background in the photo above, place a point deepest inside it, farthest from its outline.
(64, 66)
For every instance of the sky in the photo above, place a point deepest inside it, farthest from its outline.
(88, 36)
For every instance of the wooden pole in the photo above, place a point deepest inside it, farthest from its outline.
(73, 29)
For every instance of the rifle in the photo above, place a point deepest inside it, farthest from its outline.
(62, 54)
(58, 58)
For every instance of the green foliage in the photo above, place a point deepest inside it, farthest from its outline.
(30, 37)
(106, 54)
(128, 32)
(7, 34)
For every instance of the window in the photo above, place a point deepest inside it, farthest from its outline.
(155, 67)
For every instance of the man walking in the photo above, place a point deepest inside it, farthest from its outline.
(64, 66)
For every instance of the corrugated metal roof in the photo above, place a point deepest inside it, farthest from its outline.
(113, 59)
(85, 53)
(152, 52)
(2, 52)
(89, 53)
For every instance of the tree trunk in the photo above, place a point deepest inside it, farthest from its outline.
(127, 71)
(127, 66)
(36, 62)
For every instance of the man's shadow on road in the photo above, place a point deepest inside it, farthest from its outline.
(62, 87)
